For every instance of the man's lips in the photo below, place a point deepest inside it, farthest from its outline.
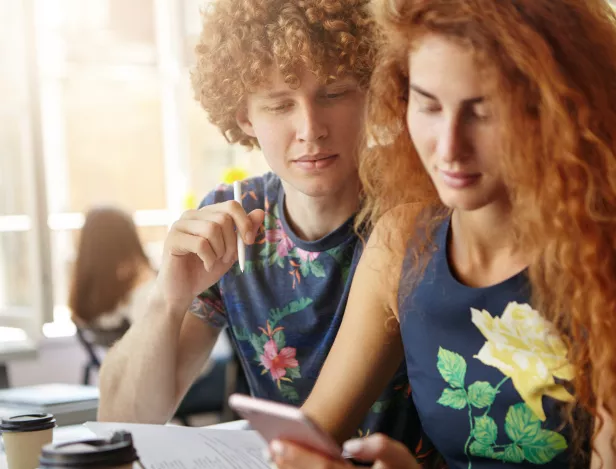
(314, 157)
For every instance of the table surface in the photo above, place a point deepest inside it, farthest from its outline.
(18, 350)
(80, 432)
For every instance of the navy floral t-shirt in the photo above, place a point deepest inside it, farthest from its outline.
(285, 309)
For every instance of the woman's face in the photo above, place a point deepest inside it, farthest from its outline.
(453, 124)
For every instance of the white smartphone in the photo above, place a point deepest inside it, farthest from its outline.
(275, 421)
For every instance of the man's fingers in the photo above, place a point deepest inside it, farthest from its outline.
(246, 224)
(242, 222)
(227, 226)
(185, 244)
(211, 230)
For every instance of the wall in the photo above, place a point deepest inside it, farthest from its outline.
(60, 360)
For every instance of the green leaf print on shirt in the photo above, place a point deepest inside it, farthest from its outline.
(250, 267)
(343, 257)
(539, 446)
(380, 406)
(276, 314)
(481, 394)
(316, 269)
(485, 431)
(452, 367)
(279, 250)
(454, 398)
(529, 441)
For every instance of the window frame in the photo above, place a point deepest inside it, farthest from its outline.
(38, 223)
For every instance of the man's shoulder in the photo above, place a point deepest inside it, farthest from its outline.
(255, 191)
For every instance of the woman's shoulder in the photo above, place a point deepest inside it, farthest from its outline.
(394, 230)
(139, 297)
(129, 309)
(385, 249)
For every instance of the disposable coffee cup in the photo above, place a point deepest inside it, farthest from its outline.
(24, 436)
(117, 452)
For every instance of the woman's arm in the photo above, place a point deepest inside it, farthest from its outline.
(368, 348)
(603, 449)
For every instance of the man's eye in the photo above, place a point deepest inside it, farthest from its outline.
(278, 108)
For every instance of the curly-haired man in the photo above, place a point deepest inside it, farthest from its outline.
(288, 77)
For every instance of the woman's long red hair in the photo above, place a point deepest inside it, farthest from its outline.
(555, 63)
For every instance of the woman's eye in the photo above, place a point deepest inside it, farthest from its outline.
(426, 105)
(335, 95)
(430, 109)
(482, 112)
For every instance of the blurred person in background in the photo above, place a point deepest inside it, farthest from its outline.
(112, 274)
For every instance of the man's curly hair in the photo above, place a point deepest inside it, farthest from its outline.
(242, 39)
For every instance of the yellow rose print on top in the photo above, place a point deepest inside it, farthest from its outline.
(524, 347)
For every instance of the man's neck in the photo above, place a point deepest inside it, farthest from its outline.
(312, 218)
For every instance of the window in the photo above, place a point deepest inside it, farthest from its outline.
(210, 153)
(102, 117)
(109, 119)
(20, 267)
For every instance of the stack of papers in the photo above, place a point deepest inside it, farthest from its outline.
(170, 447)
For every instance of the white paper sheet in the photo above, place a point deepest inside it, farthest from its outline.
(169, 447)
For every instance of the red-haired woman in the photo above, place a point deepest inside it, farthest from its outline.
(492, 189)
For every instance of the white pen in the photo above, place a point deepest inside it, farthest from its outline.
(241, 250)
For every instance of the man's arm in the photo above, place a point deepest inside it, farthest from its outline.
(147, 373)
(145, 376)
(603, 446)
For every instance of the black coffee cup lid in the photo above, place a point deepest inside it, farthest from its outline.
(116, 451)
(27, 423)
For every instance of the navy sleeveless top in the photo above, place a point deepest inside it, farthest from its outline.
(488, 374)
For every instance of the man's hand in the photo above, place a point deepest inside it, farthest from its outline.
(200, 248)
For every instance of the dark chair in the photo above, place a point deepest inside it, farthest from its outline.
(210, 393)
(207, 395)
(91, 338)
(238, 376)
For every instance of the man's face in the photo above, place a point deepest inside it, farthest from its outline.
(309, 135)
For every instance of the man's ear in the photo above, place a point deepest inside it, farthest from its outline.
(244, 122)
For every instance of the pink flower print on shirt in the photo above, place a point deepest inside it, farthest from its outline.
(278, 235)
(306, 256)
(277, 362)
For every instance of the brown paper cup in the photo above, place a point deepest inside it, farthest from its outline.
(24, 437)
(24, 448)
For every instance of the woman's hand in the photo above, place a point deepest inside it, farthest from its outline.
(382, 451)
